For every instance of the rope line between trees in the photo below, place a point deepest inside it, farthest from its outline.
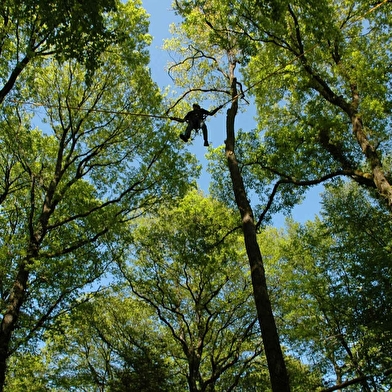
(239, 95)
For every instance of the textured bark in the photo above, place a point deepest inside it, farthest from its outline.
(10, 319)
(379, 178)
(351, 109)
(12, 79)
(276, 365)
(19, 288)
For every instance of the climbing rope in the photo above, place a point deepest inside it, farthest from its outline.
(127, 113)
(108, 111)
(239, 95)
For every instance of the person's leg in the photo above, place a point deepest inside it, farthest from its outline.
(187, 134)
(188, 130)
(205, 134)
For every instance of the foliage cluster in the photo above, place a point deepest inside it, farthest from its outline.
(116, 274)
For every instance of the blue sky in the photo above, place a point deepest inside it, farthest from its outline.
(161, 16)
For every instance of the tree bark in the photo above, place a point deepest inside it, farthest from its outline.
(276, 365)
(12, 79)
(379, 177)
(19, 288)
(10, 319)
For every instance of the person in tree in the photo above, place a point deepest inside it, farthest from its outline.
(195, 119)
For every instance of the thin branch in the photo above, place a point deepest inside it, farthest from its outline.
(225, 236)
(354, 381)
(192, 90)
(292, 180)
(198, 55)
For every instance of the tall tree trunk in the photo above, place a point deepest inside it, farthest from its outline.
(372, 157)
(10, 319)
(12, 79)
(276, 365)
(368, 148)
(19, 288)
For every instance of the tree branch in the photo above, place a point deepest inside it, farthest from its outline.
(192, 90)
(353, 381)
(292, 180)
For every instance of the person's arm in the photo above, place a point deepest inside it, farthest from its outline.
(213, 111)
(181, 120)
(185, 119)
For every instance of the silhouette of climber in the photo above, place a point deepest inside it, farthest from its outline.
(195, 119)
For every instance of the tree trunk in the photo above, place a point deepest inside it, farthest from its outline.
(351, 109)
(379, 178)
(17, 295)
(10, 319)
(276, 365)
(12, 79)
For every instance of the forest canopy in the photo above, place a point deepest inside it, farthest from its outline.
(121, 270)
